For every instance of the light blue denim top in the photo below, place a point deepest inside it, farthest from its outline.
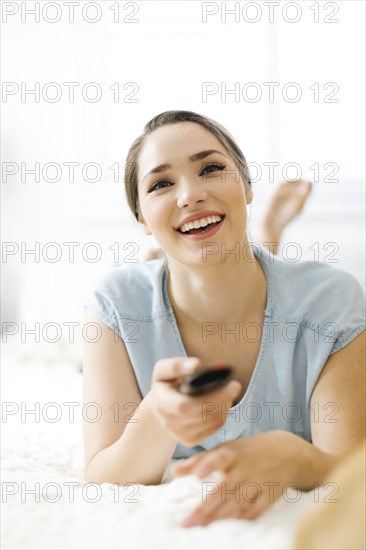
(313, 310)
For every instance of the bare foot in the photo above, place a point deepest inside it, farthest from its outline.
(286, 204)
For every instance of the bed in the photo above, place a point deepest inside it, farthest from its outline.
(46, 504)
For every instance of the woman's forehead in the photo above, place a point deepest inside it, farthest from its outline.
(176, 141)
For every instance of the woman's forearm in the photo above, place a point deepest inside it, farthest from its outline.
(140, 455)
(314, 465)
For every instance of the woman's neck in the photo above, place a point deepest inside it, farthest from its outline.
(227, 291)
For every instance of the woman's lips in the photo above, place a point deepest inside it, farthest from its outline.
(203, 234)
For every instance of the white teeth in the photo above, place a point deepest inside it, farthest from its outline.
(200, 223)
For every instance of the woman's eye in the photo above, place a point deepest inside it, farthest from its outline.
(208, 169)
(211, 168)
(159, 185)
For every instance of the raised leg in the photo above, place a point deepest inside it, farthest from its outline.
(285, 205)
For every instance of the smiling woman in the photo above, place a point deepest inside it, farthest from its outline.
(216, 297)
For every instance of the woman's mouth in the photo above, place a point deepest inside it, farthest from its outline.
(204, 227)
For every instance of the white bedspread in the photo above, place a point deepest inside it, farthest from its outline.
(46, 504)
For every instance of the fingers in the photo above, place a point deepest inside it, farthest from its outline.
(214, 509)
(168, 370)
(234, 388)
(183, 468)
(219, 500)
(231, 390)
(193, 418)
(222, 459)
(190, 419)
(190, 431)
(204, 513)
(226, 498)
(224, 396)
(224, 502)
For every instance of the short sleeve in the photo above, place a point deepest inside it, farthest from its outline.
(100, 300)
(351, 306)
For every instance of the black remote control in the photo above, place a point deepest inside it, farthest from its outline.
(206, 380)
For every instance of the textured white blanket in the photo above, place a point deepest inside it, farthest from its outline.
(46, 504)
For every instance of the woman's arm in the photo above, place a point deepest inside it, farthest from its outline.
(266, 463)
(337, 404)
(127, 444)
(134, 438)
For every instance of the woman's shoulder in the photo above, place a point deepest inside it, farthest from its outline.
(314, 293)
(314, 277)
(139, 274)
(132, 290)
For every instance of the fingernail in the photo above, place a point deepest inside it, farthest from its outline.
(188, 365)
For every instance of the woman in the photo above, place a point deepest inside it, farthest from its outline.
(293, 334)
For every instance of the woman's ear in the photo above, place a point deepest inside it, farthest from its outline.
(145, 228)
(143, 225)
(248, 195)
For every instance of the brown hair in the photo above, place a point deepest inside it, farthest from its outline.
(172, 117)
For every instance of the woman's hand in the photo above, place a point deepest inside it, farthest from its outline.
(189, 419)
(253, 473)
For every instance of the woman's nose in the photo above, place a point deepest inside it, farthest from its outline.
(190, 192)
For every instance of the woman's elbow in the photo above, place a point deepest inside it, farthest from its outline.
(92, 475)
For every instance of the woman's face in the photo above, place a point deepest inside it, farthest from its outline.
(185, 172)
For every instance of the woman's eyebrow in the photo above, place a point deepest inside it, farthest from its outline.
(203, 154)
(193, 158)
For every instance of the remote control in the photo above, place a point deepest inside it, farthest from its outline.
(206, 380)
